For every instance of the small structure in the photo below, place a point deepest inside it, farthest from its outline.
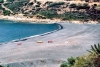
(50, 41)
(39, 41)
(19, 43)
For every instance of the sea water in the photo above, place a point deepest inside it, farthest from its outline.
(10, 30)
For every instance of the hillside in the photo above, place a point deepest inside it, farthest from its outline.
(63, 10)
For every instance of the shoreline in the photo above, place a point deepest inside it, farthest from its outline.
(72, 40)
(43, 34)
(35, 20)
(45, 21)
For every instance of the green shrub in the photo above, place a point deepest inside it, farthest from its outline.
(48, 14)
(86, 0)
(84, 61)
(90, 60)
(23, 0)
(6, 12)
(35, 1)
(8, 66)
(38, 9)
(74, 16)
(72, 5)
(1, 66)
(96, 61)
(16, 5)
(65, 64)
(1, 8)
(40, 16)
(55, 4)
(1, 1)
(70, 62)
(10, 0)
(38, 3)
(95, 48)
(98, 5)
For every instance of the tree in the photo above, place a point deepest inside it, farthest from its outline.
(6, 12)
(10, 0)
(1, 1)
(55, 4)
(86, 7)
(95, 48)
(35, 1)
(86, 0)
(94, 13)
(48, 13)
(69, 63)
(1, 66)
(72, 6)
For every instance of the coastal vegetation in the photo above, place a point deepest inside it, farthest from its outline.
(90, 60)
(56, 4)
(6, 12)
(1, 7)
(15, 6)
(1, 1)
(1, 66)
(10, 0)
(48, 14)
(75, 16)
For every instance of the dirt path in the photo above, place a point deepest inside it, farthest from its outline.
(6, 8)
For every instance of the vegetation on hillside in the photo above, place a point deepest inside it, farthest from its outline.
(75, 16)
(90, 60)
(48, 14)
(52, 10)
(10, 0)
(6, 12)
(56, 4)
(1, 1)
(1, 66)
(16, 5)
(1, 8)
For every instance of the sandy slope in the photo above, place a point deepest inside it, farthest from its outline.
(73, 40)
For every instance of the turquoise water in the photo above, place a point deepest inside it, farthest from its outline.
(11, 31)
